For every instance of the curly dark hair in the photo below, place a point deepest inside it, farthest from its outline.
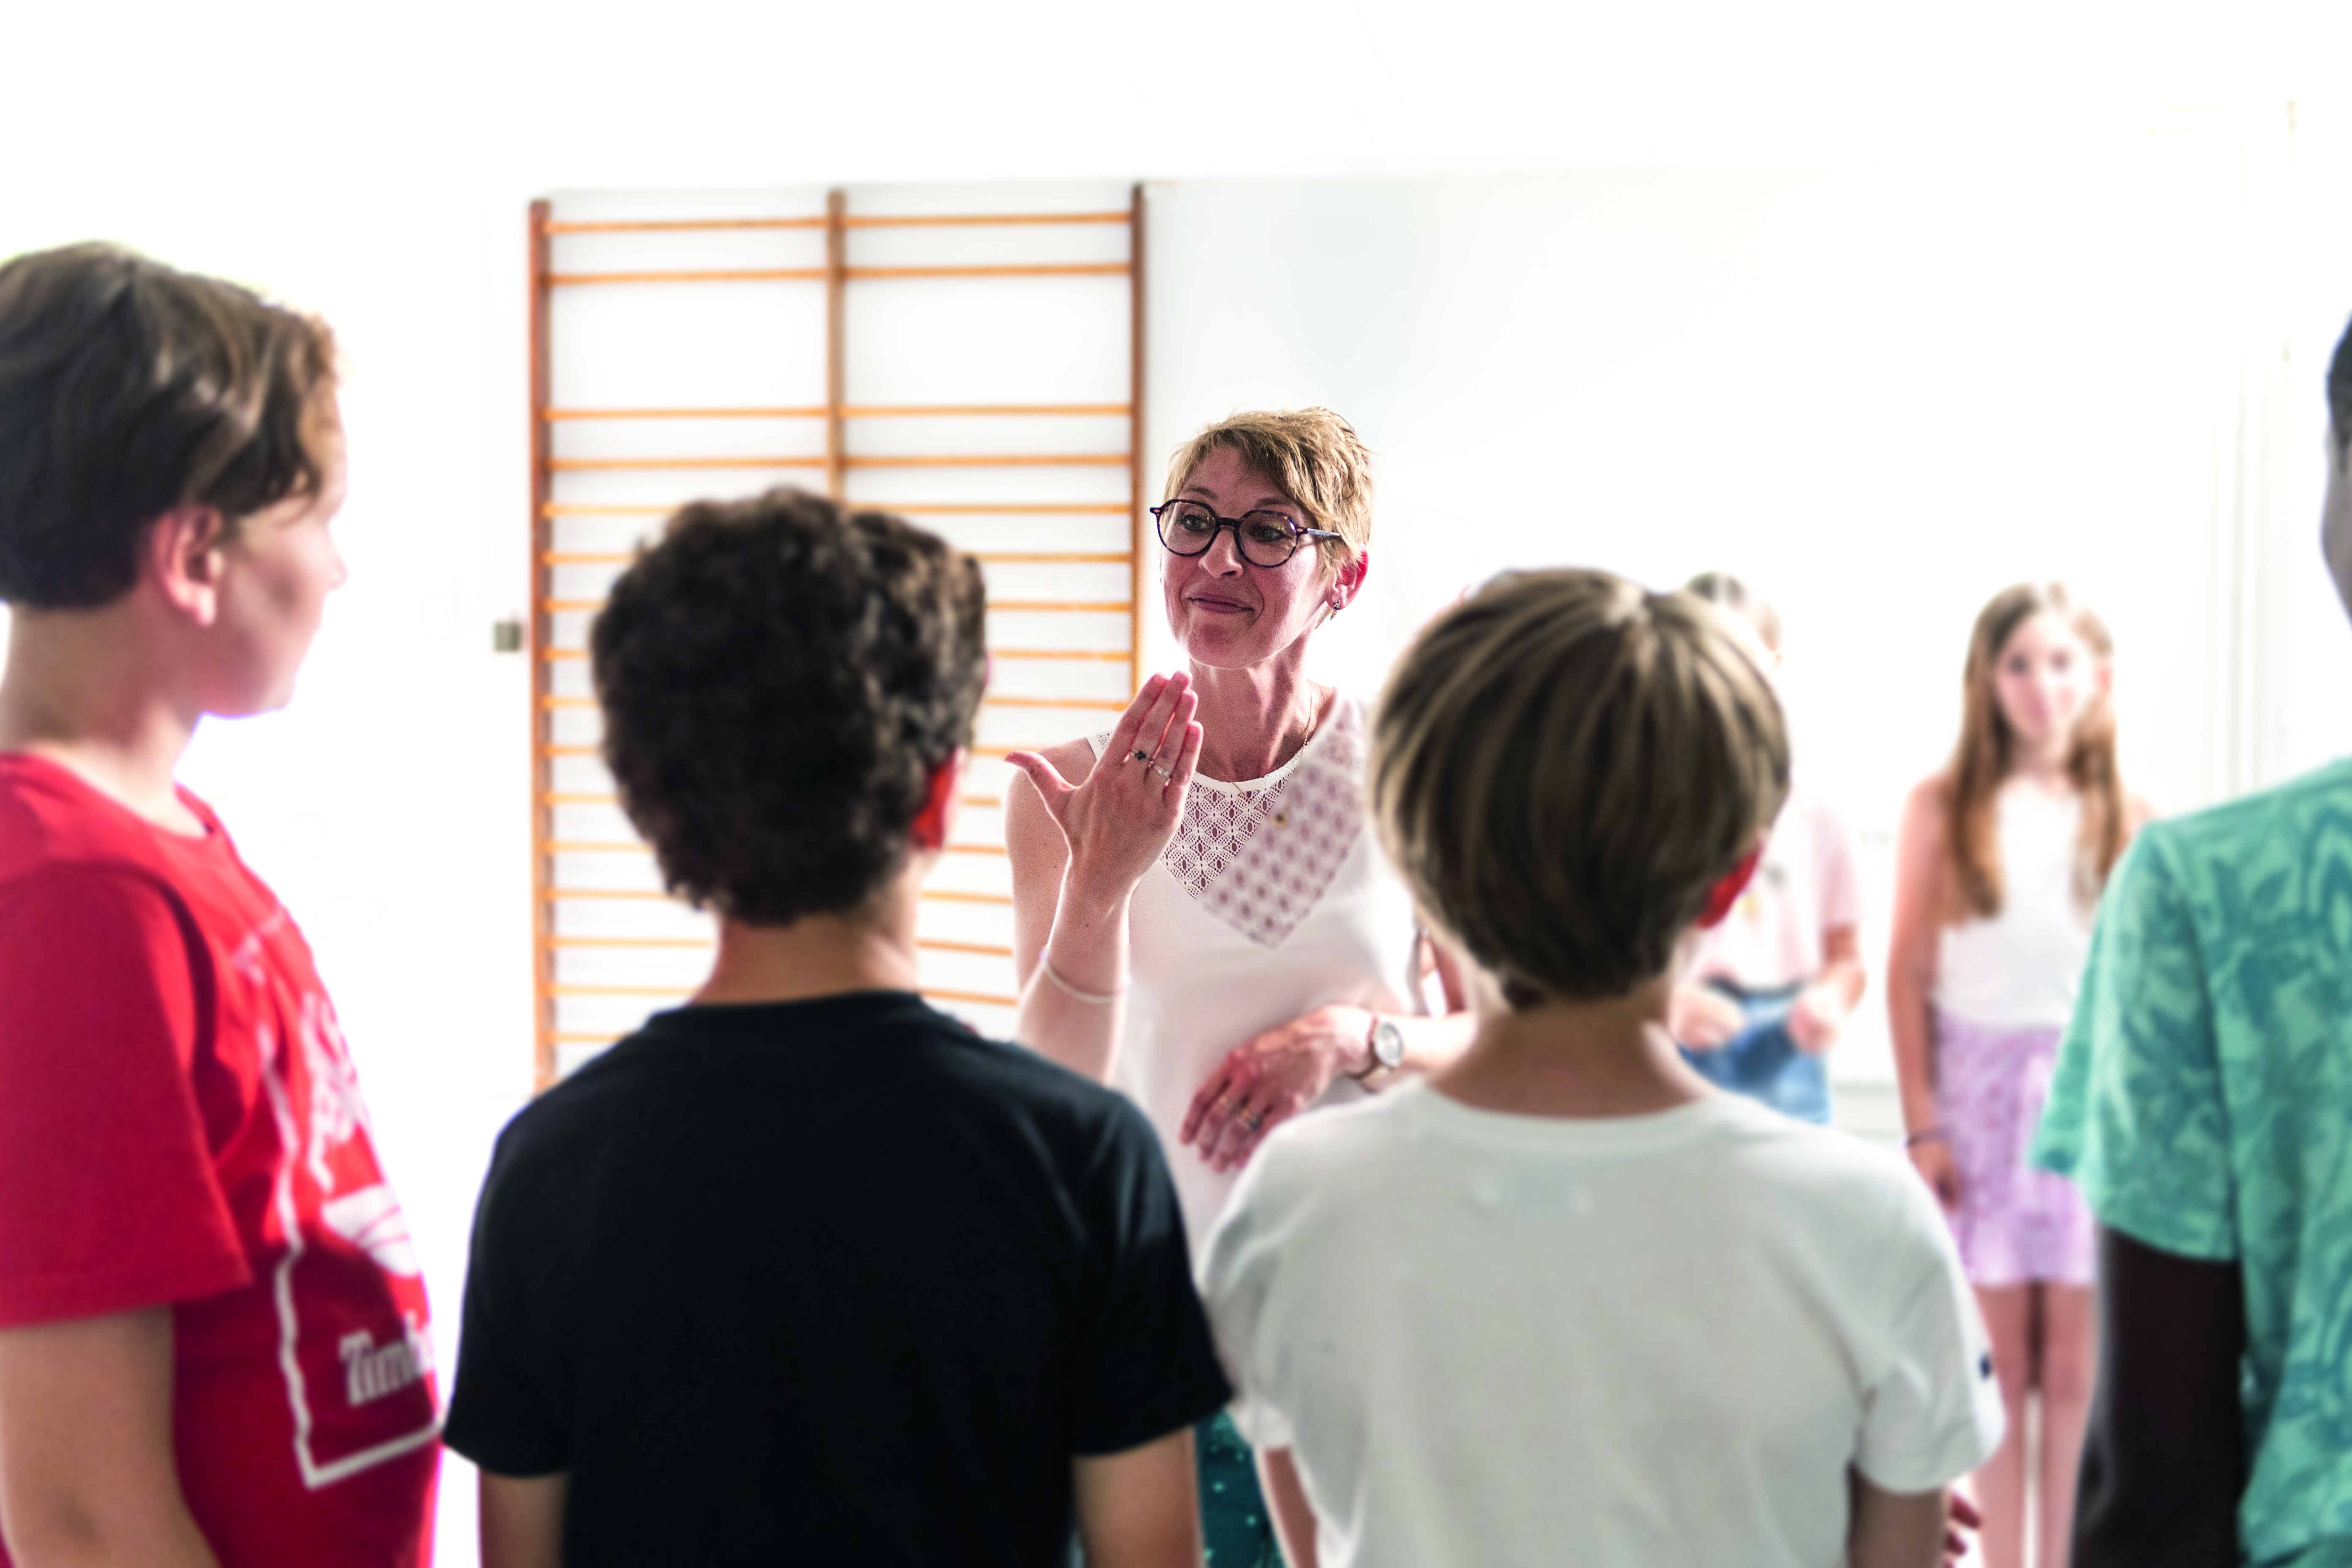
(780, 679)
(128, 388)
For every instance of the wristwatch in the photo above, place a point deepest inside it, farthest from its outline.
(1385, 1046)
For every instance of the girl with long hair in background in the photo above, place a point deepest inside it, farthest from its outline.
(1999, 864)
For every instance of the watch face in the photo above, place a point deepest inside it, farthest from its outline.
(1388, 1044)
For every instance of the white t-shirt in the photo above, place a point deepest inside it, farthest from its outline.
(2021, 968)
(1644, 1341)
(1804, 887)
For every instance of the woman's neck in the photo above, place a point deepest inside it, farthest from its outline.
(1255, 720)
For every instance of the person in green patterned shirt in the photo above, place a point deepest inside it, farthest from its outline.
(2203, 1103)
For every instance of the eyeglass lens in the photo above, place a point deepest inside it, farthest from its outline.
(1266, 538)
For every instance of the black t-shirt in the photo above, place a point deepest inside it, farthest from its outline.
(832, 1281)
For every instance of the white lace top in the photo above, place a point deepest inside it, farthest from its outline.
(1272, 900)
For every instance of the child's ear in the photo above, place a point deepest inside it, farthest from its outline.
(1725, 893)
(185, 557)
(933, 823)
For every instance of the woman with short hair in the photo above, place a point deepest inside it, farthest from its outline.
(1200, 917)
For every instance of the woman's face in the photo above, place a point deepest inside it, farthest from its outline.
(2043, 678)
(1226, 613)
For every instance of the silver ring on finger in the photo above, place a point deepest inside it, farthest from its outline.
(1251, 1119)
(1167, 775)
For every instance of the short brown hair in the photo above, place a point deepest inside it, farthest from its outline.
(1564, 765)
(128, 388)
(1312, 455)
(778, 681)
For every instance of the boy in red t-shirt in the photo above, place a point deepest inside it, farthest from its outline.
(212, 1341)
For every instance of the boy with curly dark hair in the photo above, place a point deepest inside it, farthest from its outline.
(805, 1269)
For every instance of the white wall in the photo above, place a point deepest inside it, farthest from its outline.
(1881, 395)
(374, 164)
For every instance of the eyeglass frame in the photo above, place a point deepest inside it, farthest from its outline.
(1298, 532)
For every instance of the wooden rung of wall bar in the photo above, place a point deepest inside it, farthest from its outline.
(1056, 509)
(673, 226)
(584, 465)
(1105, 704)
(704, 944)
(973, 850)
(993, 508)
(977, 220)
(585, 847)
(556, 414)
(1014, 269)
(1115, 655)
(994, 461)
(603, 797)
(728, 275)
(956, 896)
(1048, 557)
(854, 411)
(985, 998)
(1068, 606)
(985, 949)
(999, 557)
(976, 410)
(628, 895)
(563, 989)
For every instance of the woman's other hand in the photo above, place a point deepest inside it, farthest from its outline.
(1264, 1081)
(1119, 819)
(1702, 1019)
(1932, 1157)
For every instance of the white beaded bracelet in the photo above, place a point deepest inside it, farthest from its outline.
(1071, 992)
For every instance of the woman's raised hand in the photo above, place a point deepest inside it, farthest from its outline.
(1123, 815)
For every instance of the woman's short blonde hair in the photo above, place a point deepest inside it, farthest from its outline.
(1312, 455)
(1563, 767)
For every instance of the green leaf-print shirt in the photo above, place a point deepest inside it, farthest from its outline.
(2204, 1102)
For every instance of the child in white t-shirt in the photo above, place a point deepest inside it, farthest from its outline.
(1565, 1303)
(1771, 986)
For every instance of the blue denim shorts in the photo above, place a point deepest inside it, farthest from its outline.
(1761, 1061)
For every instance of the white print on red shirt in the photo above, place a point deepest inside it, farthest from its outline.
(349, 1274)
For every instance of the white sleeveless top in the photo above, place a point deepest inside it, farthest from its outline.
(2021, 968)
(1273, 899)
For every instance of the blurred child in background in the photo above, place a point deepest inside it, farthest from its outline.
(1773, 985)
(1999, 864)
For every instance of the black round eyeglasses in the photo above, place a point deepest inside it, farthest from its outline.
(1264, 538)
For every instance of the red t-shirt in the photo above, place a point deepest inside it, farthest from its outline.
(179, 1122)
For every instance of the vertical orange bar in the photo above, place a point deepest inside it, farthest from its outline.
(837, 299)
(536, 641)
(1140, 536)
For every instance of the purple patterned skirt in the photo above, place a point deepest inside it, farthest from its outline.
(2016, 1223)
